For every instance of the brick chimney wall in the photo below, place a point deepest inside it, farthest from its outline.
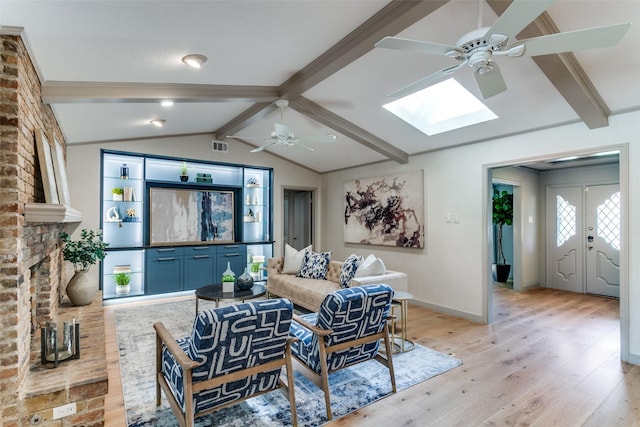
(24, 247)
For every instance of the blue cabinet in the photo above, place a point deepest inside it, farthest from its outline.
(235, 256)
(164, 270)
(183, 268)
(199, 266)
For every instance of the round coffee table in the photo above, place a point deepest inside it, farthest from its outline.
(214, 293)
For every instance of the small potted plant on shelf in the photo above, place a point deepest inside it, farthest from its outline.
(117, 194)
(83, 254)
(122, 283)
(184, 172)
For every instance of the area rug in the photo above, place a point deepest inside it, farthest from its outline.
(350, 388)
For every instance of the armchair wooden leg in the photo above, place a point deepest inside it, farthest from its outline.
(388, 347)
(324, 377)
(290, 388)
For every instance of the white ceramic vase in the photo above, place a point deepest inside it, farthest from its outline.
(82, 288)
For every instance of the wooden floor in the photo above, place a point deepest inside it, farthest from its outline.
(551, 358)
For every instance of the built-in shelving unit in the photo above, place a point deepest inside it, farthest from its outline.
(180, 265)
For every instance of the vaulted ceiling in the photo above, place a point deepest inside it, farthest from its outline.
(105, 65)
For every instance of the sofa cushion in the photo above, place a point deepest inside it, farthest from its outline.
(314, 265)
(371, 266)
(349, 268)
(293, 259)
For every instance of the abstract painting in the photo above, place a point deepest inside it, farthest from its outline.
(386, 211)
(181, 216)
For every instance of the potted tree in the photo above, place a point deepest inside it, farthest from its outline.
(502, 215)
(122, 283)
(83, 254)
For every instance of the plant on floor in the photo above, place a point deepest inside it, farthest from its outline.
(85, 252)
(502, 215)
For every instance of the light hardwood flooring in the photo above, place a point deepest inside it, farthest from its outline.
(551, 358)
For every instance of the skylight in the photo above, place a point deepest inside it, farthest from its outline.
(440, 108)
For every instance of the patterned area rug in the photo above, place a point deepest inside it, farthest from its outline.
(351, 388)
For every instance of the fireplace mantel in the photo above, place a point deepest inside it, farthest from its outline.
(50, 212)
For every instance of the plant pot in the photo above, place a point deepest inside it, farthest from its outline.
(82, 288)
(501, 272)
(123, 290)
(116, 197)
(184, 178)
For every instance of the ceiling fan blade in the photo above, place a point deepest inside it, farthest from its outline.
(415, 46)
(490, 82)
(517, 16)
(297, 144)
(590, 38)
(420, 84)
(262, 147)
(319, 138)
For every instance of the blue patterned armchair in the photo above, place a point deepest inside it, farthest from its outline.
(232, 354)
(347, 330)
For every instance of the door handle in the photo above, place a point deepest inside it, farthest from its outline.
(589, 247)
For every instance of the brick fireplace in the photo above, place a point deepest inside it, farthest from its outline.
(32, 271)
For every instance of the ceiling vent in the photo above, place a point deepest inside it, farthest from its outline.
(220, 147)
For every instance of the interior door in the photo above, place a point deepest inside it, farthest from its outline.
(603, 240)
(564, 238)
(298, 218)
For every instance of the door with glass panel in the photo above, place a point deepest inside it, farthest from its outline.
(583, 238)
(603, 240)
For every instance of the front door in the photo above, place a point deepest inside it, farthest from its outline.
(583, 240)
(603, 240)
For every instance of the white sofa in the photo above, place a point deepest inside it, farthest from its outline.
(309, 293)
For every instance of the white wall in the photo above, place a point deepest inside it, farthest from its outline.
(450, 272)
(83, 163)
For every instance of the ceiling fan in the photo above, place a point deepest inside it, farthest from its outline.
(282, 134)
(478, 47)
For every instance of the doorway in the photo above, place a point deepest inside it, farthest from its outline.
(298, 218)
(583, 238)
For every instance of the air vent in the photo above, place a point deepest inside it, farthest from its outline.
(221, 147)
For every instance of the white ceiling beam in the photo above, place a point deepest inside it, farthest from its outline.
(389, 21)
(332, 120)
(56, 92)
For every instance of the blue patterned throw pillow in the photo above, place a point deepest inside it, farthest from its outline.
(349, 268)
(314, 265)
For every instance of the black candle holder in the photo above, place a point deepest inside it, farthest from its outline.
(54, 351)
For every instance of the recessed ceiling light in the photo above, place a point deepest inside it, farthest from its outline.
(194, 60)
(167, 103)
(158, 122)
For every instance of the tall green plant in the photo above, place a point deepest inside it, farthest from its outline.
(502, 215)
(85, 252)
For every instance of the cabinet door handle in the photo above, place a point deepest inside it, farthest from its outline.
(232, 246)
(201, 248)
(200, 256)
(230, 255)
(166, 250)
(167, 259)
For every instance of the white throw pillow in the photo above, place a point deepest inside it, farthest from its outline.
(293, 259)
(371, 266)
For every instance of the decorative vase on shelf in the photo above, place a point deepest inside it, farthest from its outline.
(245, 281)
(81, 288)
(228, 279)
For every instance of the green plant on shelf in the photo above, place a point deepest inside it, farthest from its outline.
(118, 191)
(184, 170)
(255, 267)
(122, 279)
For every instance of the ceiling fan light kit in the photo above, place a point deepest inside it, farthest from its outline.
(477, 47)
